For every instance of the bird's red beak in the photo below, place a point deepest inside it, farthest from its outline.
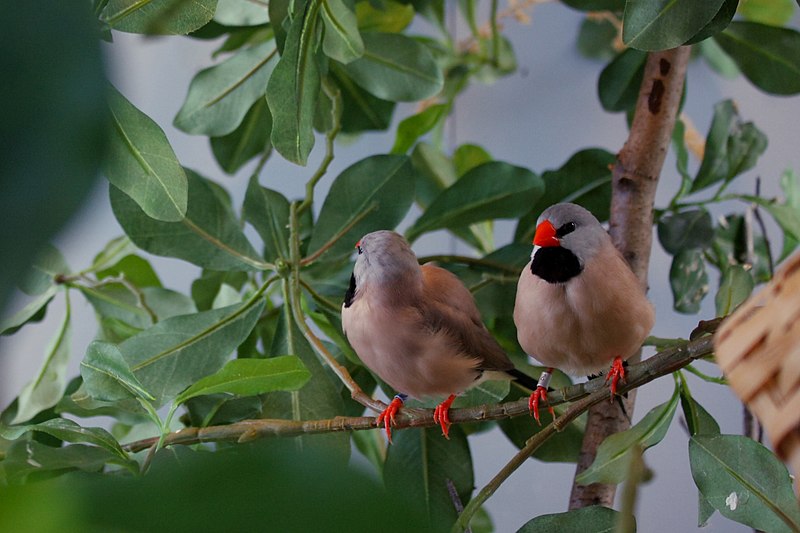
(545, 235)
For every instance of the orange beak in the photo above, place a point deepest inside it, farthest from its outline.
(545, 235)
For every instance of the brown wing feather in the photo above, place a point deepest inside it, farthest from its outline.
(451, 308)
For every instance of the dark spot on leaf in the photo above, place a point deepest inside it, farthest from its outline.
(656, 95)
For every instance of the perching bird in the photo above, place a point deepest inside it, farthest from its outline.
(579, 307)
(417, 327)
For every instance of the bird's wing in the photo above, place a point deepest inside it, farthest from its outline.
(451, 309)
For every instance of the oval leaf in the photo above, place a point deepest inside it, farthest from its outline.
(374, 193)
(158, 17)
(141, 162)
(107, 376)
(768, 56)
(688, 280)
(180, 350)
(744, 481)
(685, 230)
(595, 518)
(293, 89)
(68, 431)
(618, 84)
(268, 212)
(663, 24)
(220, 96)
(492, 190)
(613, 455)
(342, 41)
(209, 236)
(397, 68)
(248, 377)
(248, 140)
(241, 13)
(48, 385)
(734, 288)
(420, 463)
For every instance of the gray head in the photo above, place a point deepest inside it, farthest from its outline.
(567, 236)
(385, 262)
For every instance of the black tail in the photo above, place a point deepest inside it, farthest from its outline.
(523, 379)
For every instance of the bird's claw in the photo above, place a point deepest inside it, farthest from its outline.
(387, 416)
(540, 394)
(615, 373)
(441, 415)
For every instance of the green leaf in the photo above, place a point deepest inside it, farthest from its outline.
(68, 431)
(318, 400)
(720, 21)
(685, 230)
(26, 458)
(250, 139)
(415, 126)
(374, 193)
(34, 311)
(108, 377)
(420, 462)
(698, 420)
(241, 13)
(397, 68)
(594, 518)
(596, 5)
(209, 236)
(178, 351)
(360, 110)
(734, 288)
(158, 17)
(268, 212)
(771, 12)
(718, 60)
(744, 481)
(769, 57)
(341, 40)
(133, 269)
(42, 274)
(141, 162)
(563, 447)
(732, 147)
(492, 190)
(468, 156)
(249, 377)
(389, 17)
(596, 39)
(220, 96)
(293, 89)
(585, 179)
(613, 455)
(663, 24)
(48, 385)
(619, 82)
(688, 280)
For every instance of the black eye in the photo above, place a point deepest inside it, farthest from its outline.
(565, 229)
(360, 250)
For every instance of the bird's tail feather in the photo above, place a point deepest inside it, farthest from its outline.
(523, 379)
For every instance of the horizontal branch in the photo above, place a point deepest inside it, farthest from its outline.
(663, 363)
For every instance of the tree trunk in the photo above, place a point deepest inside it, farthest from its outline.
(635, 178)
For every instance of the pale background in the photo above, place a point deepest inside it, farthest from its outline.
(536, 118)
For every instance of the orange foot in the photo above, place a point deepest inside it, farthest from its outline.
(387, 416)
(441, 415)
(615, 373)
(540, 394)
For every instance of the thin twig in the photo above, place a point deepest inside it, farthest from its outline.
(470, 261)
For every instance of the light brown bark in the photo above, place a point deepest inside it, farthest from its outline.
(635, 178)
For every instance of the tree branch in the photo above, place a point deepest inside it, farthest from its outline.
(634, 182)
(663, 363)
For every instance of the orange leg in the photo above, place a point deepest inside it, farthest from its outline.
(387, 416)
(615, 373)
(441, 415)
(540, 394)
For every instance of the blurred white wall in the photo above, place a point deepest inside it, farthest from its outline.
(536, 118)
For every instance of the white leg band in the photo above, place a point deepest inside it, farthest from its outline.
(544, 380)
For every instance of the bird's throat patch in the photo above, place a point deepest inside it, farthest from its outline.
(555, 264)
(351, 291)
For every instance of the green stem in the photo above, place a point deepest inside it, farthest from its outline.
(495, 35)
(341, 233)
(324, 301)
(705, 377)
(470, 261)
